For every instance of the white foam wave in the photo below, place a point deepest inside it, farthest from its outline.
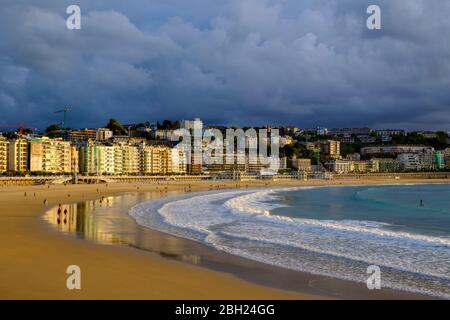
(227, 219)
(253, 204)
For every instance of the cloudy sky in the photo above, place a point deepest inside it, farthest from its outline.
(294, 62)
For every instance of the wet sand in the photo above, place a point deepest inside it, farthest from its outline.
(34, 256)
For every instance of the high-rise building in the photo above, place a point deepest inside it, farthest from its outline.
(18, 155)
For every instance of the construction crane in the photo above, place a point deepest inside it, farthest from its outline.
(20, 127)
(64, 122)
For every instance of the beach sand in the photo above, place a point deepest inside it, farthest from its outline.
(33, 258)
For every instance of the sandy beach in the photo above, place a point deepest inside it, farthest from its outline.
(34, 258)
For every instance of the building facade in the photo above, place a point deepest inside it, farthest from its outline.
(331, 148)
(51, 156)
(18, 155)
(4, 146)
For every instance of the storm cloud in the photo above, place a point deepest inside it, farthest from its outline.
(305, 63)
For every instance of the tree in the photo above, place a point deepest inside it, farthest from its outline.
(53, 131)
(53, 128)
(116, 127)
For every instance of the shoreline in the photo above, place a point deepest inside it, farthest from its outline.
(13, 285)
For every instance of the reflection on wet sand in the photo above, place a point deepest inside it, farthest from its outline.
(106, 221)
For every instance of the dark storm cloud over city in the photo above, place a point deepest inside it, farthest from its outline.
(243, 62)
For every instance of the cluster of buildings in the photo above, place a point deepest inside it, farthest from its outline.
(37, 155)
(148, 149)
(93, 157)
(393, 158)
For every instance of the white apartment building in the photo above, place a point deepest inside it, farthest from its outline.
(104, 134)
(409, 162)
(179, 160)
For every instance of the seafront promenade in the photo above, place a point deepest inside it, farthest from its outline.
(67, 179)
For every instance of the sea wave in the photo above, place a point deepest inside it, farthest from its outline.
(254, 204)
(242, 222)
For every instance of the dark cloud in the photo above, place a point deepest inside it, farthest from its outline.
(306, 63)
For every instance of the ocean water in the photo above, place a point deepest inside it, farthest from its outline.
(330, 231)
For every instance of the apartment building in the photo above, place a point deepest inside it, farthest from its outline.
(394, 150)
(104, 134)
(118, 159)
(82, 135)
(131, 159)
(388, 165)
(354, 166)
(303, 165)
(446, 157)
(51, 156)
(18, 155)
(340, 166)
(416, 162)
(4, 146)
(331, 148)
(179, 161)
(96, 159)
(156, 160)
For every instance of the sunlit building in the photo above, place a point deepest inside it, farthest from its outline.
(331, 148)
(179, 161)
(51, 156)
(130, 157)
(18, 155)
(3, 154)
(156, 160)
